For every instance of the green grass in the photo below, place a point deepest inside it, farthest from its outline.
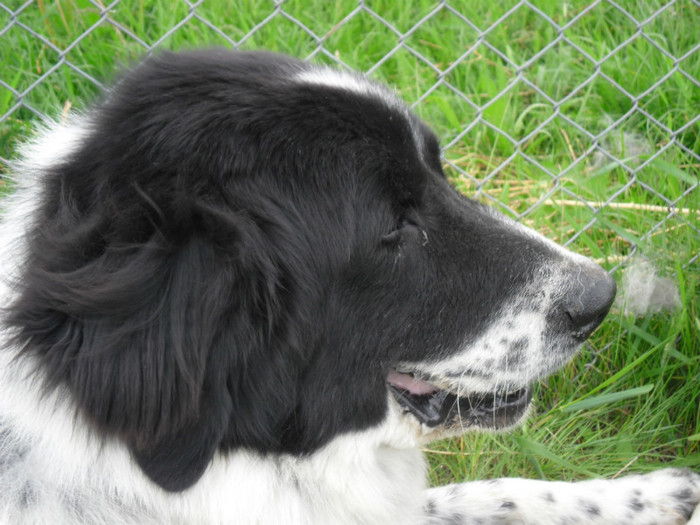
(631, 400)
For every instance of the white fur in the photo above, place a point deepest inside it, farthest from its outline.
(350, 81)
(639, 500)
(369, 477)
(361, 85)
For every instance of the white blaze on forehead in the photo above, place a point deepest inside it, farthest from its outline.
(361, 85)
(354, 82)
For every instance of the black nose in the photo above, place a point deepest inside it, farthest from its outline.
(588, 301)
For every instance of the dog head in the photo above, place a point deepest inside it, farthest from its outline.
(247, 251)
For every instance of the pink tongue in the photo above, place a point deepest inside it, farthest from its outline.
(415, 386)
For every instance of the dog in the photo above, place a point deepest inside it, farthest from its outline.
(242, 290)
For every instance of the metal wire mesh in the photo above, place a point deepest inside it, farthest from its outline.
(640, 146)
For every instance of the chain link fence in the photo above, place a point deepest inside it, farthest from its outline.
(581, 119)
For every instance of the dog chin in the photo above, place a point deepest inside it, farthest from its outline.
(414, 433)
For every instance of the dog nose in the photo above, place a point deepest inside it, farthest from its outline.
(589, 300)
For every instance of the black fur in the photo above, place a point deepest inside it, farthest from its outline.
(232, 259)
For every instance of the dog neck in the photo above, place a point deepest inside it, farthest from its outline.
(53, 463)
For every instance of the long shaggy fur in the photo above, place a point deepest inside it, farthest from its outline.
(240, 290)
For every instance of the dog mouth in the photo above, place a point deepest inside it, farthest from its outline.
(433, 406)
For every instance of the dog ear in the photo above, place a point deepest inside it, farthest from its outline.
(142, 330)
(178, 459)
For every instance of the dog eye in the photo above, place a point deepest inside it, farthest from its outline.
(397, 233)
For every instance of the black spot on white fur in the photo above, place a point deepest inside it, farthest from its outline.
(28, 496)
(549, 497)
(12, 450)
(636, 504)
(590, 508)
(686, 501)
